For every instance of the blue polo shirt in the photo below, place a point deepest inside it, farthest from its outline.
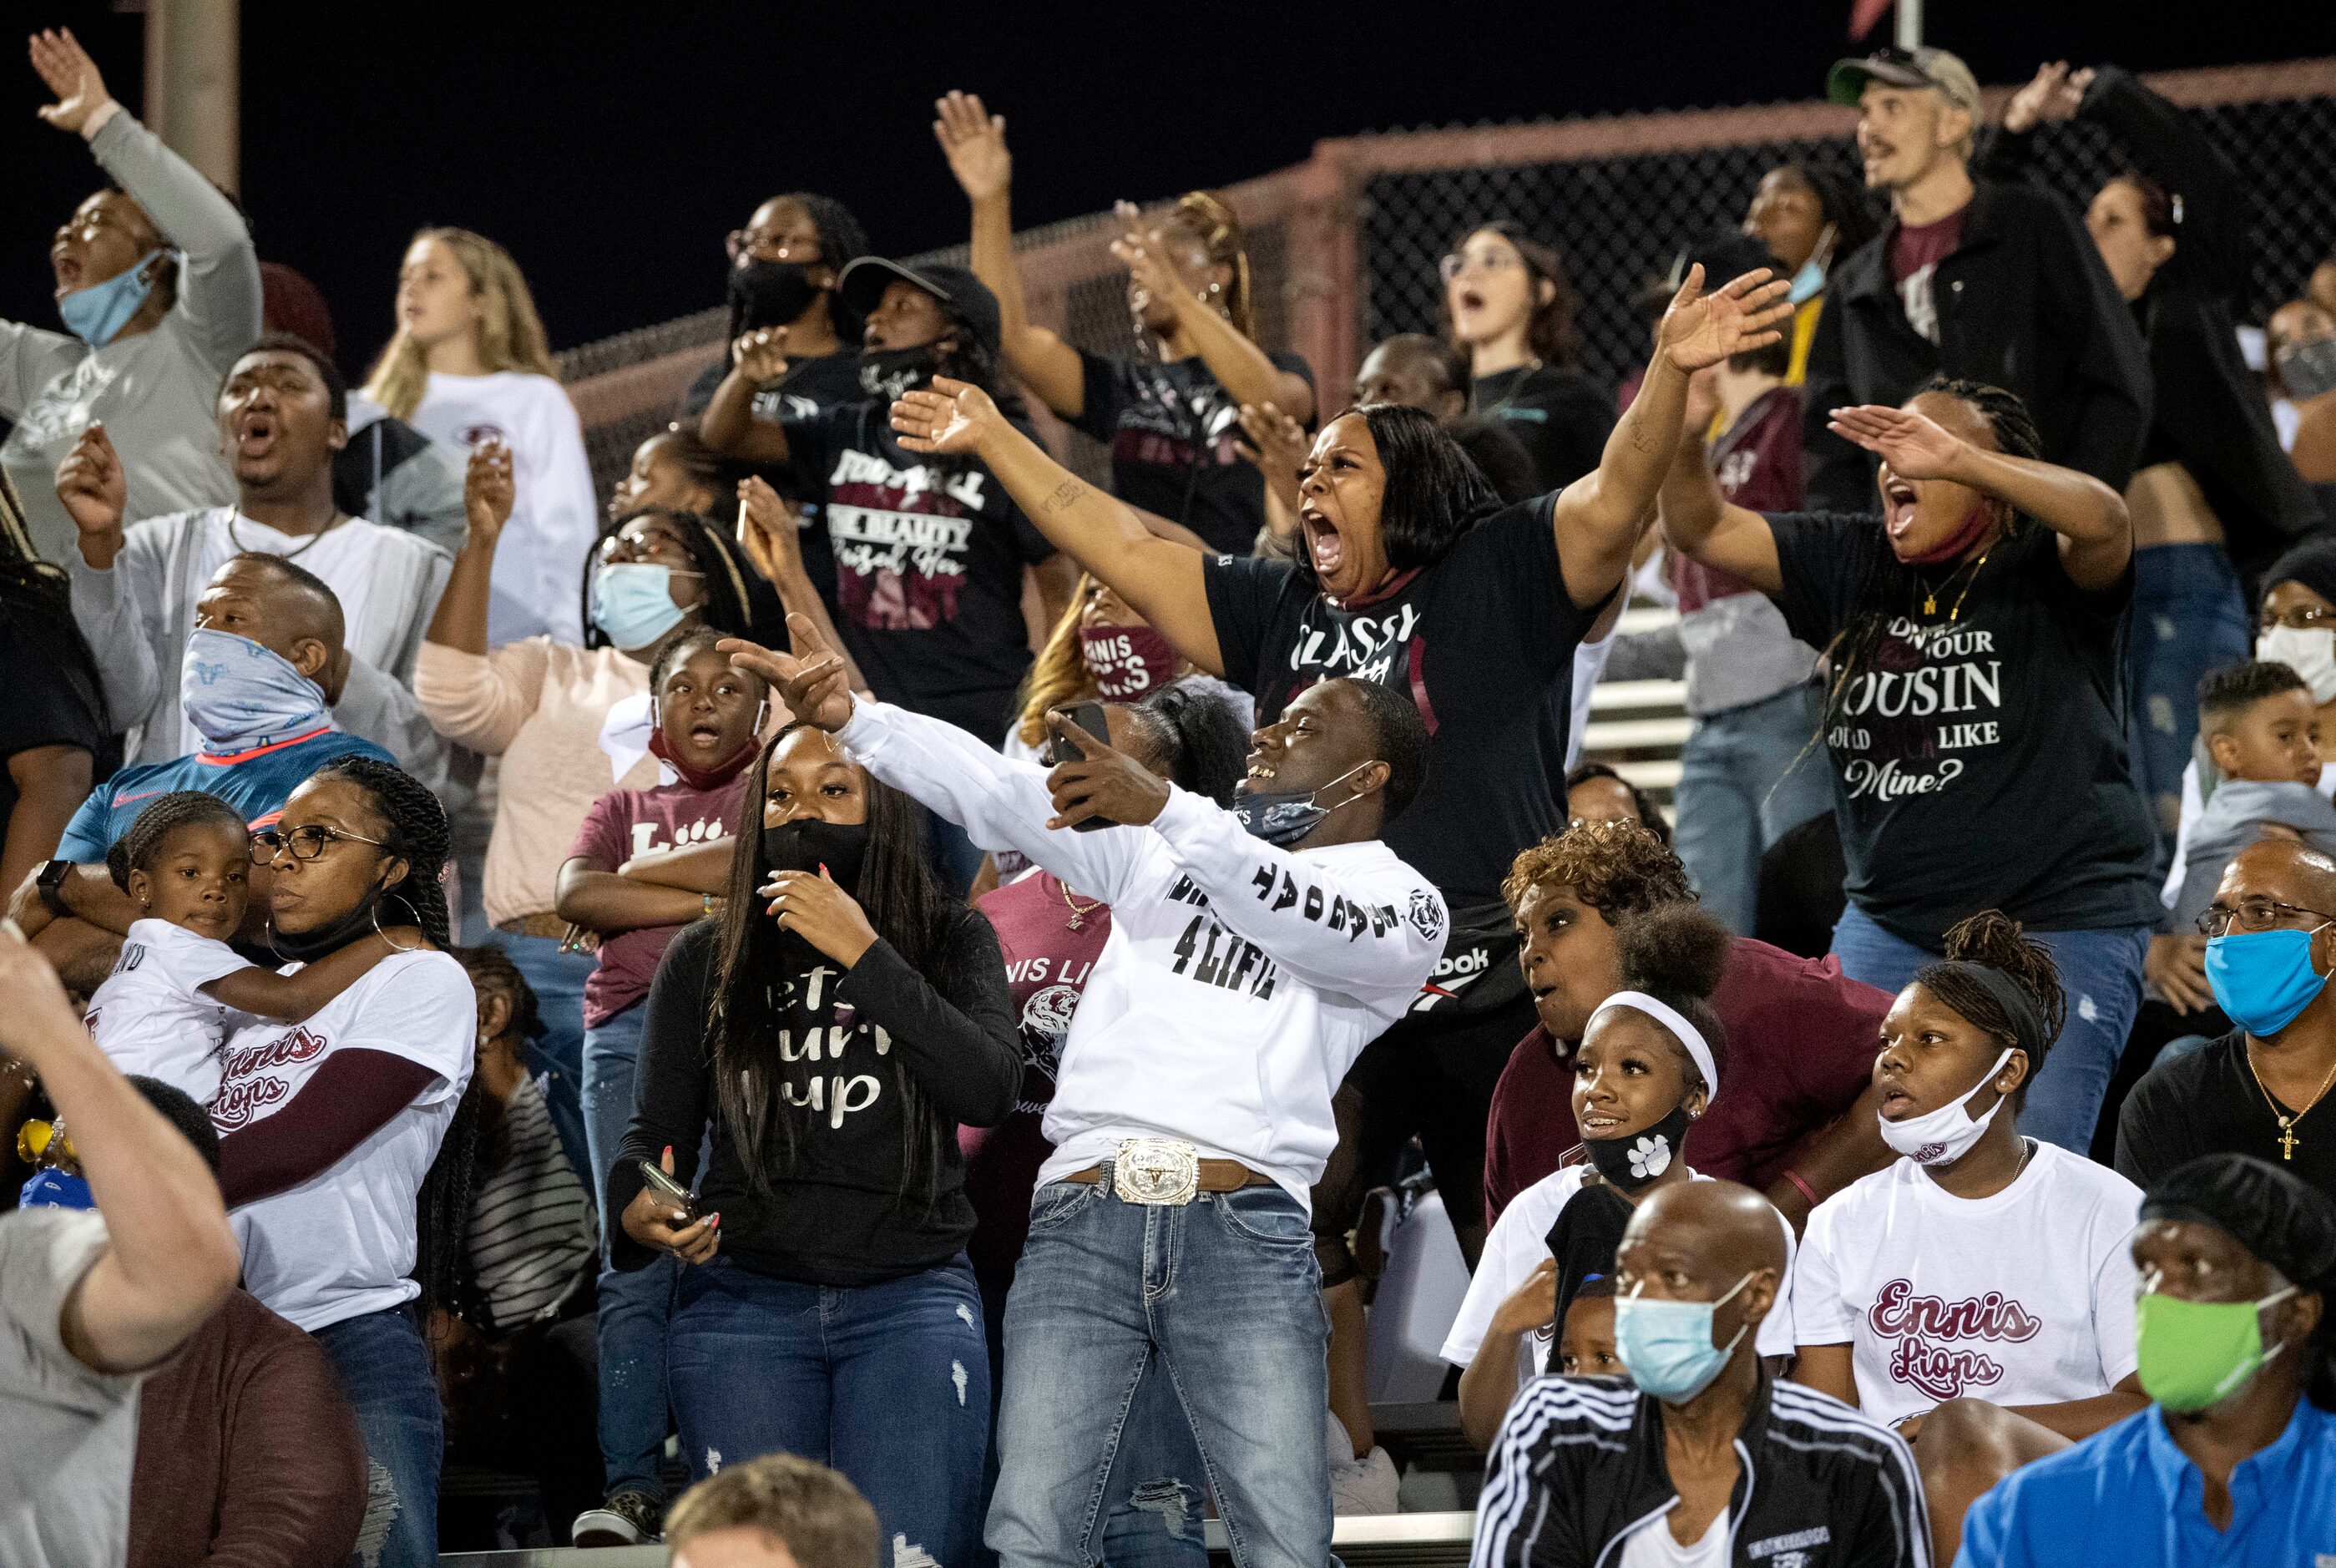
(2127, 1495)
(254, 783)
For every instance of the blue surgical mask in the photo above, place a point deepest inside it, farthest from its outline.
(632, 602)
(238, 694)
(1282, 817)
(1807, 283)
(97, 314)
(1665, 1346)
(2263, 980)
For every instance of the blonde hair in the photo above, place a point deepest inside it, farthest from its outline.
(1059, 674)
(1213, 222)
(817, 1515)
(511, 333)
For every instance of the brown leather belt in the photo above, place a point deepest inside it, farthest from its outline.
(1215, 1176)
(545, 924)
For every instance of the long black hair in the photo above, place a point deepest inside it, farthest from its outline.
(1199, 737)
(739, 602)
(906, 902)
(1888, 582)
(1434, 493)
(414, 830)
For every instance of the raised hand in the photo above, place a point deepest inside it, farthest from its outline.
(72, 75)
(974, 142)
(766, 529)
(2053, 93)
(946, 417)
(813, 908)
(96, 493)
(761, 356)
(1700, 330)
(812, 680)
(1276, 446)
(1913, 446)
(1139, 250)
(1101, 782)
(489, 493)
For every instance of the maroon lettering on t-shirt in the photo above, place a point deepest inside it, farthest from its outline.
(625, 823)
(1915, 252)
(902, 537)
(248, 1083)
(1919, 1324)
(1756, 462)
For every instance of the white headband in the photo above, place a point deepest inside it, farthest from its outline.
(1698, 1050)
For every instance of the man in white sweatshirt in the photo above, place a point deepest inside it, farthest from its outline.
(1253, 953)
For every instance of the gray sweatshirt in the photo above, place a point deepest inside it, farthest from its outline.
(155, 392)
(2234, 817)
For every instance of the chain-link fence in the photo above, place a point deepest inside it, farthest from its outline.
(1343, 249)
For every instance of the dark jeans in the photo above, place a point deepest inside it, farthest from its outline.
(888, 1383)
(385, 1373)
(2189, 618)
(634, 1305)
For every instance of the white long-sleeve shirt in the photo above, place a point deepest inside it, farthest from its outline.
(1240, 980)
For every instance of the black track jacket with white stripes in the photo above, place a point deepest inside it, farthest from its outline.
(1578, 1468)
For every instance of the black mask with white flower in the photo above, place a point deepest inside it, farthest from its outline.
(1634, 1158)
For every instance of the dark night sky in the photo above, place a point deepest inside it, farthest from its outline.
(612, 146)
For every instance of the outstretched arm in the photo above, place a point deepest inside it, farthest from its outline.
(1598, 517)
(729, 424)
(974, 142)
(293, 997)
(1159, 579)
(1699, 522)
(767, 532)
(2095, 533)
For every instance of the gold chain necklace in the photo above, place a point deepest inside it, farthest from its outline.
(1931, 596)
(1078, 919)
(2287, 1138)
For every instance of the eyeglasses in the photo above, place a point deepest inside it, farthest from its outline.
(306, 843)
(2305, 618)
(2252, 915)
(658, 548)
(1458, 262)
(761, 243)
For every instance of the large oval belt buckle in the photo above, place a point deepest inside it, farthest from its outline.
(1155, 1171)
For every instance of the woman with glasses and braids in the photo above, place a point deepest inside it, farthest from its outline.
(831, 1029)
(1171, 414)
(345, 1163)
(1511, 310)
(1974, 714)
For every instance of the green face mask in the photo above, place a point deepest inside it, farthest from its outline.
(2195, 1353)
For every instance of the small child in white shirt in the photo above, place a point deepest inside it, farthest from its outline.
(167, 1007)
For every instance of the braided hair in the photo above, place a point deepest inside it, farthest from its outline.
(490, 969)
(135, 850)
(1994, 940)
(1887, 581)
(739, 602)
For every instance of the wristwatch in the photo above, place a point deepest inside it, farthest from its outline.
(50, 884)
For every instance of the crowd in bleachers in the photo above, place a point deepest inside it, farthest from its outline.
(891, 984)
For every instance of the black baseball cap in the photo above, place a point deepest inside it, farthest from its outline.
(862, 288)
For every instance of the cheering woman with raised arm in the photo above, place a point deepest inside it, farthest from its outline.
(1974, 716)
(1411, 579)
(1170, 413)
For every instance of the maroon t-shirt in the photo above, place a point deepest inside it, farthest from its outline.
(1047, 963)
(1756, 462)
(1915, 252)
(621, 824)
(1801, 1043)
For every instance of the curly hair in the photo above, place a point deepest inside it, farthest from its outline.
(1994, 940)
(135, 850)
(1615, 867)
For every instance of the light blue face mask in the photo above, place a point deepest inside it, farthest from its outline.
(2263, 980)
(97, 314)
(1665, 1346)
(632, 602)
(1807, 283)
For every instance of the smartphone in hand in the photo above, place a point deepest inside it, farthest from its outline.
(666, 1187)
(1088, 717)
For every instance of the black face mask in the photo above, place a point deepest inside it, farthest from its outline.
(307, 946)
(768, 293)
(1633, 1160)
(807, 843)
(887, 373)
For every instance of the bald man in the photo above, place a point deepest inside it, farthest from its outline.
(260, 673)
(1728, 1464)
(2262, 1089)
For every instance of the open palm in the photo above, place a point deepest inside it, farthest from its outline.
(1915, 446)
(69, 72)
(951, 416)
(1700, 329)
(974, 142)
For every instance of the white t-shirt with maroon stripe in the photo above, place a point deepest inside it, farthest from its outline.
(2024, 1297)
(343, 1243)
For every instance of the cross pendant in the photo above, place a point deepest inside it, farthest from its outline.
(2287, 1139)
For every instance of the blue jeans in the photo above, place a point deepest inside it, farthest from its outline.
(556, 978)
(2100, 971)
(634, 1305)
(1222, 1300)
(385, 1374)
(2188, 618)
(888, 1383)
(1746, 776)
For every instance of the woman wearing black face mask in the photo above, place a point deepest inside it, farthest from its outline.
(833, 1028)
(1649, 1063)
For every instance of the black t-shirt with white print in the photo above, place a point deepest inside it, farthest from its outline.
(1482, 641)
(1978, 748)
(811, 387)
(1171, 429)
(929, 558)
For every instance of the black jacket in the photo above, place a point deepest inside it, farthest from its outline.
(1578, 1468)
(2209, 410)
(2024, 304)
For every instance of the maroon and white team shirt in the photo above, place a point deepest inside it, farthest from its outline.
(343, 1243)
(2024, 1297)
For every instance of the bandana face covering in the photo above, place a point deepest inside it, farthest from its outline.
(1942, 1137)
(2193, 1354)
(1126, 662)
(96, 315)
(240, 696)
(1282, 817)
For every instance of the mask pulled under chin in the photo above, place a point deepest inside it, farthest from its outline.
(1974, 524)
(1283, 817)
(96, 315)
(1942, 1137)
(888, 372)
(809, 844)
(704, 778)
(1635, 1159)
(307, 946)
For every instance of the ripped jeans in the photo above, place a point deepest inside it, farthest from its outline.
(888, 1383)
